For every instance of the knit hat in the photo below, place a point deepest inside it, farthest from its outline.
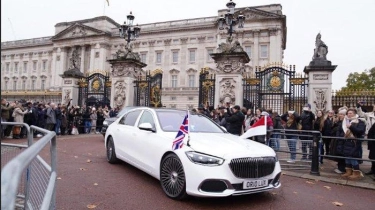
(237, 107)
(308, 105)
(343, 110)
(264, 114)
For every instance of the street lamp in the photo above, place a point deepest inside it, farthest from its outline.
(128, 31)
(230, 20)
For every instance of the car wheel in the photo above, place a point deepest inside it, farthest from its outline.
(111, 154)
(172, 177)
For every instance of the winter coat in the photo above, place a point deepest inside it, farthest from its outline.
(328, 127)
(31, 118)
(277, 123)
(19, 114)
(51, 116)
(307, 120)
(64, 119)
(6, 111)
(371, 144)
(292, 126)
(235, 121)
(352, 146)
(41, 122)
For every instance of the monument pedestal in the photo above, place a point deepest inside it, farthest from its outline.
(230, 62)
(126, 66)
(320, 86)
(70, 86)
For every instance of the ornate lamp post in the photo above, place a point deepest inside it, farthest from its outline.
(128, 31)
(231, 20)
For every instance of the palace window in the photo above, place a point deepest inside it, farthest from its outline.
(143, 57)
(33, 84)
(263, 51)
(209, 51)
(173, 98)
(248, 51)
(173, 106)
(24, 85)
(43, 84)
(44, 65)
(7, 68)
(174, 80)
(24, 67)
(158, 57)
(191, 56)
(190, 98)
(175, 56)
(34, 66)
(15, 85)
(15, 67)
(191, 80)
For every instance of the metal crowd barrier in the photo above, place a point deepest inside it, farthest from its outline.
(313, 140)
(27, 180)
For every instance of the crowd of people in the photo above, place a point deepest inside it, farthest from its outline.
(342, 132)
(63, 119)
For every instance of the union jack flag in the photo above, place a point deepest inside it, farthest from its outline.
(184, 129)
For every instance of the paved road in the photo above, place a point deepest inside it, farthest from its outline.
(86, 181)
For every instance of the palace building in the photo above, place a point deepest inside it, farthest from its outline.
(31, 69)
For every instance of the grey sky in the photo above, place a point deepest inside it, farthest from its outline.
(347, 27)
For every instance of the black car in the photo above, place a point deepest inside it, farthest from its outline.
(109, 121)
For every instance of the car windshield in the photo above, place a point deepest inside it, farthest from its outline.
(124, 110)
(170, 121)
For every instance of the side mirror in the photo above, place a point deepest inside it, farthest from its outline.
(224, 128)
(146, 127)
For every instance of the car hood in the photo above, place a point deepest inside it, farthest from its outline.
(226, 145)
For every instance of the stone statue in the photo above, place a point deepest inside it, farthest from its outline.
(67, 96)
(75, 60)
(227, 94)
(321, 49)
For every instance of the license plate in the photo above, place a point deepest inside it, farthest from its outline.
(255, 184)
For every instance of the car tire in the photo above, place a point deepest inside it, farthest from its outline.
(111, 154)
(172, 177)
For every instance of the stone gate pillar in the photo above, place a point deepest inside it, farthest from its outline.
(125, 65)
(230, 62)
(70, 86)
(320, 78)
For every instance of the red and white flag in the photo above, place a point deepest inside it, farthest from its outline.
(259, 128)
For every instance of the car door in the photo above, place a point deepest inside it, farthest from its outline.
(149, 143)
(124, 134)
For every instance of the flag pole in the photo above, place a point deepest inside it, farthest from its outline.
(188, 134)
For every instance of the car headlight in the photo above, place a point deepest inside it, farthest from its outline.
(203, 159)
(105, 122)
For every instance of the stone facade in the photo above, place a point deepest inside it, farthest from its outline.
(31, 68)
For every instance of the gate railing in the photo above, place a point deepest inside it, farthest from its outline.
(29, 169)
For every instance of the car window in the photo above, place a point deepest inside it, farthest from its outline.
(147, 117)
(130, 118)
(124, 110)
(170, 121)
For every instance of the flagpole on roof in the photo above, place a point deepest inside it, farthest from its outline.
(188, 133)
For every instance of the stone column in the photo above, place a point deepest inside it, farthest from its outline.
(63, 65)
(124, 69)
(320, 78)
(92, 57)
(273, 45)
(256, 49)
(230, 61)
(82, 66)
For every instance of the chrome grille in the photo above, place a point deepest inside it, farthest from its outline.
(252, 167)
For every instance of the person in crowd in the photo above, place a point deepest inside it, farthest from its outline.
(18, 114)
(64, 120)
(248, 117)
(87, 120)
(327, 131)
(292, 119)
(235, 119)
(6, 112)
(58, 119)
(275, 137)
(94, 118)
(337, 145)
(203, 110)
(31, 117)
(100, 119)
(106, 112)
(51, 117)
(222, 113)
(318, 126)
(269, 127)
(353, 129)
(41, 121)
(371, 148)
(256, 117)
(307, 122)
